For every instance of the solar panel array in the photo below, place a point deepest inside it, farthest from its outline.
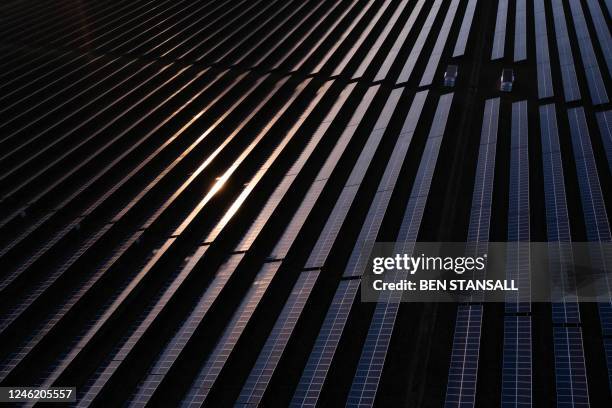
(463, 370)
(517, 354)
(189, 191)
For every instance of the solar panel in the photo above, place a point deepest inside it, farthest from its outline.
(370, 366)
(172, 350)
(516, 373)
(354, 22)
(417, 48)
(399, 42)
(604, 120)
(296, 167)
(602, 31)
(520, 31)
(364, 34)
(323, 246)
(499, 36)
(322, 37)
(463, 368)
(589, 61)
(269, 356)
(557, 218)
(594, 209)
(570, 370)
(216, 360)
(436, 54)
(371, 225)
(466, 27)
(545, 88)
(518, 211)
(382, 36)
(566, 59)
(315, 373)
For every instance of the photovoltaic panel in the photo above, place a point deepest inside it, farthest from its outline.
(382, 36)
(216, 360)
(516, 372)
(417, 48)
(172, 350)
(518, 211)
(466, 27)
(604, 120)
(177, 282)
(366, 237)
(596, 84)
(323, 246)
(463, 369)
(571, 380)
(602, 30)
(399, 42)
(516, 375)
(364, 34)
(271, 353)
(520, 31)
(545, 87)
(371, 225)
(499, 36)
(570, 370)
(595, 215)
(370, 366)
(557, 217)
(566, 59)
(315, 373)
(438, 49)
(354, 22)
(296, 223)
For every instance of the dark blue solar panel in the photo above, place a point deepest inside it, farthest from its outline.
(378, 207)
(499, 38)
(271, 353)
(604, 119)
(463, 368)
(382, 36)
(315, 373)
(545, 88)
(570, 371)
(602, 30)
(327, 237)
(593, 206)
(518, 211)
(516, 375)
(216, 360)
(399, 41)
(566, 59)
(466, 27)
(419, 44)
(370, 366)
(436, 54)
(516, 371)
(557, 218)
(520, 31)
(596, 84)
